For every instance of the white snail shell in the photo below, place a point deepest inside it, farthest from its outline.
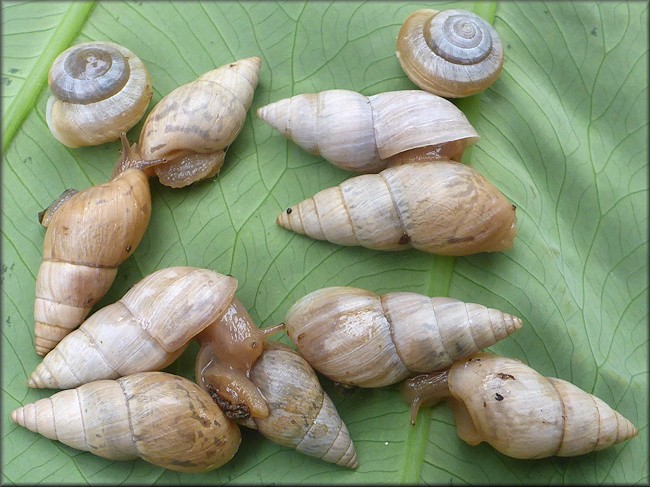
(99, 89)
(302, 415)
(361, 133)
(162, 418)
(147, 329)
(523, 414)
(194, 124)
(453, 53)
(357, 337)
(440, 207)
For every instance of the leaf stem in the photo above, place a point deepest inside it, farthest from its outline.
(26, 97)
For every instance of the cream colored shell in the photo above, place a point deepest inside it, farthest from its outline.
(523, 414)
(302, 415)
(362, 133)
(357, 337)
(88, 236)
(193, 125)
(453, 53)
(162, 418)
(147, 329)
(441, 207)
(98, 104)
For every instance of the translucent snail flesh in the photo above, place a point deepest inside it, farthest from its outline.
(99, 89)
(453, 53)
(193, 125)
(441, 207)
(518, 411)
(363, 133)
(302, 415)
(147, 329)
(359, 338)
(161, 418)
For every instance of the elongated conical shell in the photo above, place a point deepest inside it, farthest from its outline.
(145, 330)
(201, 117)
(525, 415)
(162, 418)
(360, 133)
(87, 238)
(302, 415)
(357, 337)
(442, 207)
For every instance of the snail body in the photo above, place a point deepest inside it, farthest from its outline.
(193, 125)
(99, 89)
(453, 53)
(161, 418)
(356, 337)
(363, 133)
(147, 329)
(302, 415)
(521, 413)
(441, 207)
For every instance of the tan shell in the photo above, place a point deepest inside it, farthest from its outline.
(88, 236)
(361, 133)
(302, 415)
(100, 89)
(453, 53)
(357, 337)
(145, 330)
(441, 207)
(523, 414)
(193, 125)
(162, 418)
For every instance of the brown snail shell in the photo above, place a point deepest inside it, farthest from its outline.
(453, 53)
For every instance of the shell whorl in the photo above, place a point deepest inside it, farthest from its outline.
(453, 53)
(357, 337)
(302, 415)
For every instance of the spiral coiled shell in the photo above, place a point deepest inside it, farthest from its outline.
(164, 419)
(362, 133)
(88, 236)
(302, 415)
(193, 125)
(357, 337)
(99, 89)
(453, 53)
(441, 207)
(523, 414)
(147, 329)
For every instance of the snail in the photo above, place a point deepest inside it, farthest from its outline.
(229, 348)
(521, 413)
(453, 53)
(147, 329)
(89, 234)
(366, 134)
(441, 207)
(99, 89)
(161, 418)
(193, 125)
(302, 415)
(356, 337)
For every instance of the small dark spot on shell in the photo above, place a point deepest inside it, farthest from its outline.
(498, 397)
(300, 336)
(128, 248)
(514, 207)
(289, 210)
(503, 376)
(484, 404)
(404, 239)
(232, 65)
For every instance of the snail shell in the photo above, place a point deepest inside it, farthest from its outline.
(359, 338)
(361, 133)
(145, 330)
(302, 415)
(162, 418)
(193, 125)
(441, 207)
(523, 414)
(99, 89)
(453, 53)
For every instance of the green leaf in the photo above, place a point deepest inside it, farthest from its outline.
(563, 136)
